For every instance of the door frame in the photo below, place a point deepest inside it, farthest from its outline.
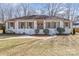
(40, 24)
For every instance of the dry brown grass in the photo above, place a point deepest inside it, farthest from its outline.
(60, 45)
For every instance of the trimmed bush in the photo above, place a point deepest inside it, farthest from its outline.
(60, 30)
(46, 31)
(37, 31)
(11, 32)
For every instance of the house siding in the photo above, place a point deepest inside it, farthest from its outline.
(30, 31)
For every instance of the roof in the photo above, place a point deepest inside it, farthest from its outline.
(45, 17)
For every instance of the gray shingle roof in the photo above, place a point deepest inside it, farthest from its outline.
(38, 17)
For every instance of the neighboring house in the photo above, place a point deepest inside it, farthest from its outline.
(28, 24)
(76, 25)
(1, 26)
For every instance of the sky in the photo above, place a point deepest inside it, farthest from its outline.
(33, 5)
(42, 5)
(38, 5)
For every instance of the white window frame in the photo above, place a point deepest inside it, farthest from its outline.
(20, 25)
(51, 24)
(10, 25)
(30, 27)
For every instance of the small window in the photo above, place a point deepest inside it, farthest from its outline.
(50, 24)
(11, 25)
(30, 24)
(21, 25)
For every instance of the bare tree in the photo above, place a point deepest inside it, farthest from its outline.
(18, 11)
(2, 12)
(25, 8)
(53, 8)
(71, 11)
(67, 11)
(9, 11)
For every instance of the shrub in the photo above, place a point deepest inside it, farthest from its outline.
(46, 31)
(60, 30)
(37, 31)
(11, 32)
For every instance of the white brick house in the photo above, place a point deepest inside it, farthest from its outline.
(28, 24)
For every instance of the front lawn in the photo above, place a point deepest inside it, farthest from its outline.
(59, 45)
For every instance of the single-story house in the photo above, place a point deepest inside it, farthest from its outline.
(28, 24)
(76, 25)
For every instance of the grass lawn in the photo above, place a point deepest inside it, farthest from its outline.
(59, 45)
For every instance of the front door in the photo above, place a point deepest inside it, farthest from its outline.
(40, 26)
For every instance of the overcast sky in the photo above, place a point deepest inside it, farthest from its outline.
(42, 6)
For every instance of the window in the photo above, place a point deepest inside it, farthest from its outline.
(47, 24)
(11, 25)
(30, 24)
(53, 24)
(66, 24)
(58, 24)
(21, 25)
(50, 24)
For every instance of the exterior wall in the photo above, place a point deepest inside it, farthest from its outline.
(68, 30)
(21, 31)
(61, 24)
(52, 31)
(25, 31)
